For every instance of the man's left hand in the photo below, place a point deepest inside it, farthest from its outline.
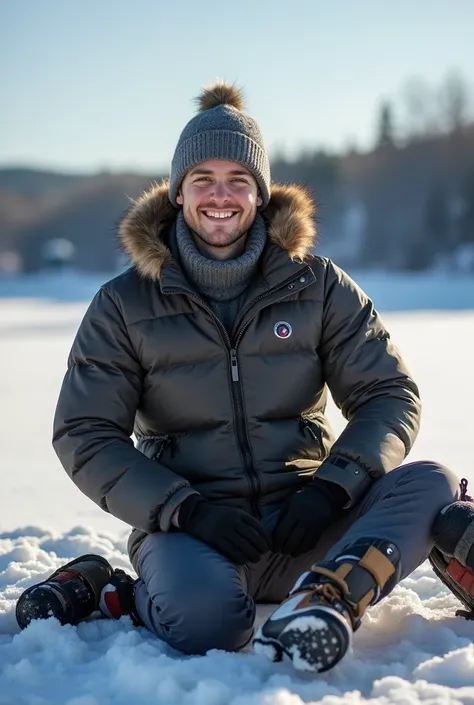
(306, 515)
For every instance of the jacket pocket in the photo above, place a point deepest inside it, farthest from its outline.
(153, 446)
(312, 432)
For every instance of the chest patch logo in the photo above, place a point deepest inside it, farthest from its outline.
(282, 329)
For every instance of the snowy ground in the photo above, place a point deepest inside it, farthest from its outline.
(410, 649)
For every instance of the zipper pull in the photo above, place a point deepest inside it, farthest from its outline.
(234, 366)
(311, 432)
(161, 449)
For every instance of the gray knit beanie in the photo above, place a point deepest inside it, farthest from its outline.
(221, 130)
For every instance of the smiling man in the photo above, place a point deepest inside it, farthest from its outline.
(219, 205)
(216, 349)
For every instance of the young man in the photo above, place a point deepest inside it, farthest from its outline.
(216, 349)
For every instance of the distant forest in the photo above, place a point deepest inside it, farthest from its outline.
(405, 204)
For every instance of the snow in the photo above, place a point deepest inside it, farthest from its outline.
(410, 649)
(304, 623)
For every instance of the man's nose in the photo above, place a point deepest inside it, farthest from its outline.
(220, 192)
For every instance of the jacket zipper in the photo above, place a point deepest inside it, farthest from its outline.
(242, 435)
(237, 403)
(306, 424)
(241, 425)
(161, 448)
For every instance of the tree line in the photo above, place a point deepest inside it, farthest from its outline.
(405, 202)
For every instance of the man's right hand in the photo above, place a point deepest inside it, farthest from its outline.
(232, 532)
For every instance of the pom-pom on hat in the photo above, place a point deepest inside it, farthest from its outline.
(221, 130)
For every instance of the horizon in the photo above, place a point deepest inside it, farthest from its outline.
(143, 171)
(77, 91)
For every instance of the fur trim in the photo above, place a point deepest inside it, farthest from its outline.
(220, 93)
(143, 231)
(289, 217)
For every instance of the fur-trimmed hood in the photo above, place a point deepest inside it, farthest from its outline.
(143, 230)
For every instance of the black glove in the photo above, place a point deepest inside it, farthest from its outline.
(232, 532)
(306, 515)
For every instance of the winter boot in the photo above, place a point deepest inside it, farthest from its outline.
(314, 625)
(452, 557)
(73, 592)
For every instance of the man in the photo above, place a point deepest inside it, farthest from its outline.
(216, 349)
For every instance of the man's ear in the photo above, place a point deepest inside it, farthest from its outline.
(179, 198)
(259, 199)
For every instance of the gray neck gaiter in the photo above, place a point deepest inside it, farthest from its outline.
(222, 283)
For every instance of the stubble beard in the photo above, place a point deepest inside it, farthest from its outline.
(231, 238)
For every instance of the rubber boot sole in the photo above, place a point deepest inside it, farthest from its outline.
(313, 642)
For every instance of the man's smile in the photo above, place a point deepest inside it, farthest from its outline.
(219, 214)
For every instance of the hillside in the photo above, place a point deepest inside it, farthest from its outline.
(408, 207)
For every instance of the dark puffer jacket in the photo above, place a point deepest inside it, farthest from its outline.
(239, 418)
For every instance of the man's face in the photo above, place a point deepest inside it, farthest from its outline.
(220, 200)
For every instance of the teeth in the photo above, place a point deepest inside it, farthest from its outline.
(219, 214)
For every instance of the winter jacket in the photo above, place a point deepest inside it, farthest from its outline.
(239, 418)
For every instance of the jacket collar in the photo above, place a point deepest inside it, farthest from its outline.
(145, 232)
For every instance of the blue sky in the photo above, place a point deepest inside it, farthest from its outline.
(109, 83)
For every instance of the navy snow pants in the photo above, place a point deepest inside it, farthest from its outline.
(195, 599)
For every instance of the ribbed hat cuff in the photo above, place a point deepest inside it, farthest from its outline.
(220, 144)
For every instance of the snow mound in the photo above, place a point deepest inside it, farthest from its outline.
(411, 648)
